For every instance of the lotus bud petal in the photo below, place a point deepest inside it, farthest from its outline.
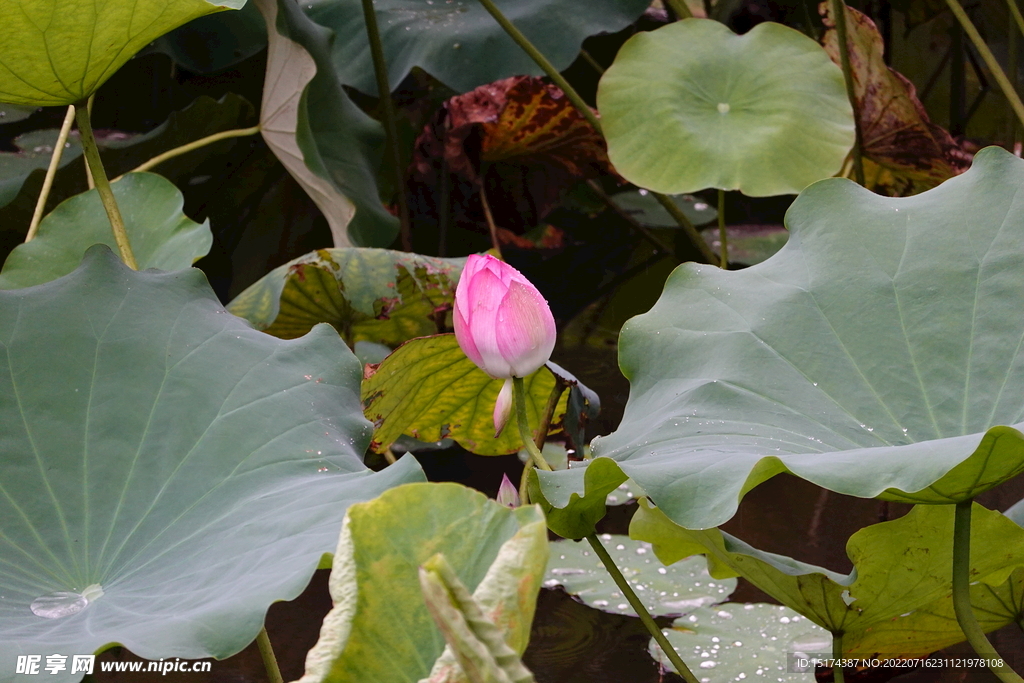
(502, 323)
(502, 407)
(507, 493)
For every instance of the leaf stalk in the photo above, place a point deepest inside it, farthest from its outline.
(723, 238)
(990, 60)
(387, 107)
(269, 660)
(99, 176)
(186, 148)
(641, 611)
(962, 596)
(51, 172)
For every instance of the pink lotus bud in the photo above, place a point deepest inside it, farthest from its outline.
(507, 493)
(502, 322)
(502, 407)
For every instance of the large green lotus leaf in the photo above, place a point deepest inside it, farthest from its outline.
(380, 629)
(215, 42)
(458, 41)
(368, 295)
(876, 354)
(58, 52)
(161, 235)
(9, 113)
(734, 641)
(673, 590)
(901, 575)
(765, 113)
(159, 450)
(326, 142)
(429, 389)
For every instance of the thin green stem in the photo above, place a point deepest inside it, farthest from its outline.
(962, 595)
(839, 17)
(683, 222)
(1015, 11)
(185, 149)
(680, 9)
(51, 171)
(584, 109)
(519, 398)
(542, 61)
(640, 610)
(723, 239)
(88, 173)
(990, 60)
(99, 176)
(387, 107)
(838, 676)
(269, 660)
(589, 59)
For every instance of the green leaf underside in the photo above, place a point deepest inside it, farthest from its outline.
(329, 145)
(877, 354)
(161, 235)
(752, 641)
(374, 295)
(430, 390)
(765, 113)
(380, 629)
(60, 52)
(899, 592)
(194, 468)
(665, 591)
(458, 42)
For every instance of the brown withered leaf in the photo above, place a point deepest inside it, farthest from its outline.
(520, 139)
(905, 153)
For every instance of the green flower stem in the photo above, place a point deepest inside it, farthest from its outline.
(588, 113)
(387, 108)
(990, 60)
(838, 676)
(1017, 18)
(723, 238)
(99, 176)
(184, 149)
(269, 660)
(680, 9)
(51, 171)
(519, 398)
(838, 9)
(962, 594)
(641, 611)
(542, 61)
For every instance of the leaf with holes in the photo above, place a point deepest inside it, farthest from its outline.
(168, 472)
(429, 389)
(368, 295)
(910, 154)
(161, 235)
(62, 51)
